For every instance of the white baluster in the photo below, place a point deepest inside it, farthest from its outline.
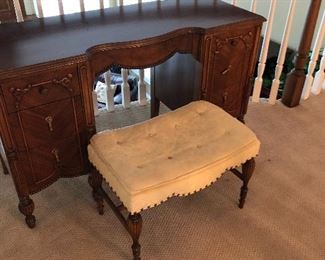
(142, 90)
(61, 9)
(313, 60)
(82, 6)
(39, 8)
(125, 89)
(18, 11)
(109, 92)
(265, 46)
(95, 103)
(101, 4)
(319, 76)
(253, 6)
(282, 53)
(234, 2)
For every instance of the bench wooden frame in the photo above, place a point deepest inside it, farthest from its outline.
(133, 223)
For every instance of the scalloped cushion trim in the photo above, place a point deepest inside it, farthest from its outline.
(183, 187)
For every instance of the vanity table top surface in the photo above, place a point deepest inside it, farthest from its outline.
(55, 38)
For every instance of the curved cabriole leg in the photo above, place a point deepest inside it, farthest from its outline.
(247, 171)
(26, 207)
(134, 223)
(95, 181)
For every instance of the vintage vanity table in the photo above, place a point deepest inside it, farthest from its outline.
(47, 69)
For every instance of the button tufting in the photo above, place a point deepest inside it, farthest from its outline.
(199, 146)
(119, 142)
(170, 157)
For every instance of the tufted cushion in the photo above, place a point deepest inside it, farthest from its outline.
(177, 153)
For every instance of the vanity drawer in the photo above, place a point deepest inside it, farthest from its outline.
(44, 165)
(49, 86)
(46, 124)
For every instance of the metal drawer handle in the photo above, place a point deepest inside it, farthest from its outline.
(49, 121)
(55, 152)
(226, 70)
(225, 97)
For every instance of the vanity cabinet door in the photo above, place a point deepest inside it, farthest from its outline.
(228, 64)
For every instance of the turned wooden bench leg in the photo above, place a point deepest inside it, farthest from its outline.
(247, 172)
(134, 224)
(95, 181)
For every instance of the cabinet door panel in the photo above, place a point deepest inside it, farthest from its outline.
(229, 57)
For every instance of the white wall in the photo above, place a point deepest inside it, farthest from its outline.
(281, 15)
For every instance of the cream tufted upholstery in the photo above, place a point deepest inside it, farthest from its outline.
(177, 153)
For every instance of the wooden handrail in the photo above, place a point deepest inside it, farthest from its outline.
(296, 78)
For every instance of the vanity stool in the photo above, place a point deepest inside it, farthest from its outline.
(175, 154)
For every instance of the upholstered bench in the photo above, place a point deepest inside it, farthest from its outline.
(178, 153)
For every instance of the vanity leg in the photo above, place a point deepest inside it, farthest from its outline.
(247, 171)
(154, 106)
(4, 167)
(26, 207)
(95, 181)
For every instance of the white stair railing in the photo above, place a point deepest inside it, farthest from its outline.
(82, 5)
(101, 4)
(18, 11)
(142, 89)
(109, 92)
(234, 2)
(282, 53)
(125, 89)
(61, 9)
(39, 8)
(319, 77)
(265, 46)
(253, 6)
(313, 60)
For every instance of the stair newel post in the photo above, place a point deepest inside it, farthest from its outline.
(296, 78)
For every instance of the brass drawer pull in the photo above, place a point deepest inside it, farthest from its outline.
(225, 97)
(55, 152)
(226, 70)
(49, 121)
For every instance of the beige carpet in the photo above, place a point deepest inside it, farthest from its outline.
(284, 217)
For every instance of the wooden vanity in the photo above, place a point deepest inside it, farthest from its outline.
(48, 66)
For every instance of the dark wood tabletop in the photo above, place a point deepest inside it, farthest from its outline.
(54, 38)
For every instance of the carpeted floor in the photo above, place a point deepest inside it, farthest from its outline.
(284, 217)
